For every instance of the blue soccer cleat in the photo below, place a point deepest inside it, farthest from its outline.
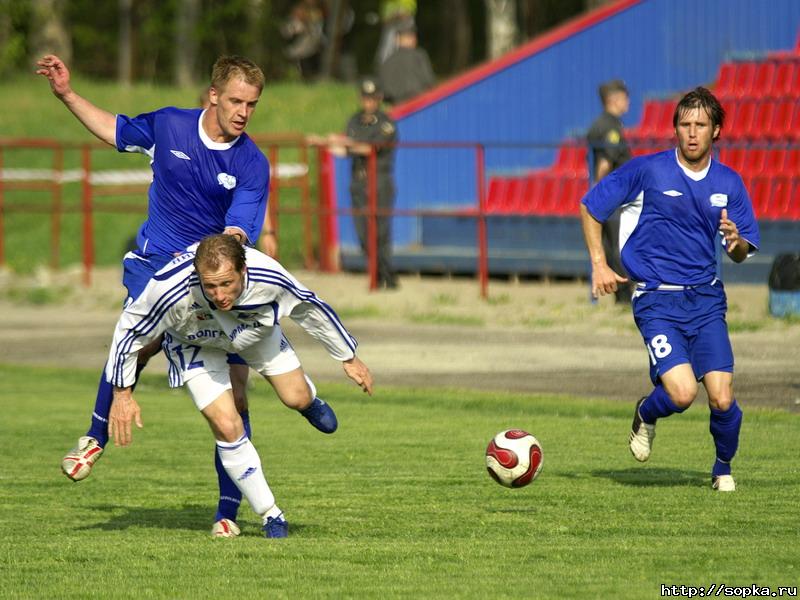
(321, 416)
(276, 527)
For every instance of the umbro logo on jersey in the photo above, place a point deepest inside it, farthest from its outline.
(180, 154)
(673, 193)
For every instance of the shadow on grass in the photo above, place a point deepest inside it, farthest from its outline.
(191, 517)
(650, 477)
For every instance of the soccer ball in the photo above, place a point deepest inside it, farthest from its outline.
(514, 458)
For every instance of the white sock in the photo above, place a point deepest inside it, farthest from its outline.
(312, 387)
(243, 465)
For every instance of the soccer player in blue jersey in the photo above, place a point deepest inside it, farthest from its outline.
(676, 206)
(208, 177)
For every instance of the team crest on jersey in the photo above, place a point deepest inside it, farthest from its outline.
(204, 316)
(180, 154)
(226, 181)
(719, 200)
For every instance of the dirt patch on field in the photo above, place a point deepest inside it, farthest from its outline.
(536, 337)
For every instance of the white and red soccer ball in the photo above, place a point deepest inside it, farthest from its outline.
(514, 458)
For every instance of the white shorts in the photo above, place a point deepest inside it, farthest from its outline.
(205, 370)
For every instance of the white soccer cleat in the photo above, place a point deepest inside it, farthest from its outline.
(640, 440)
(723, 483)
(78, 463)
(225, 528)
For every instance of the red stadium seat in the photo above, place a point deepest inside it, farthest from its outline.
(495, 194)
(512, 203)
(571, 160)
(754, 159)
(733, 157)
(761, 125)
(533, 191)
(791, 162)
(785, 70)
(551, 190)
(781, 119)
(781, 204)
(776, 157)
(743, 78)
(743, 118)
(724, 85)
(760, 195)
(765, 74)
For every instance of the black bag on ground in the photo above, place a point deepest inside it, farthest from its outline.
(785, 273)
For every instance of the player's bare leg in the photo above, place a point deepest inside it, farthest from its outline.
(241, 460)
(297, 391)
(725, 424)
(77, 464)
(676, 391)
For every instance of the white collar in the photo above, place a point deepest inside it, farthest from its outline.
(208, 142)
(696, 175)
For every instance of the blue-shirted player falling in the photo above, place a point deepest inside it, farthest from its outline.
(677, 204)
(208, 177)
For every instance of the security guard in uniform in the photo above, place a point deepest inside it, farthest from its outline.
(608, 150)
(367, 129)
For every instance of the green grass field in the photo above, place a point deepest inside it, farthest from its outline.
(33, 112)
(396, 504)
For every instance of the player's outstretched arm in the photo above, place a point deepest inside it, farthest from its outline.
(99, 122)
(356, 370)
(124, 411)
(604, 279)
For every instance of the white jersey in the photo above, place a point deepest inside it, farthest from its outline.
(174, 302)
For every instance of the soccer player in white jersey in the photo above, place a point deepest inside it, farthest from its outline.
(678, 205)
(217, 299)
(208, 177)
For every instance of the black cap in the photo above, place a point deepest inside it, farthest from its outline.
(370, 87)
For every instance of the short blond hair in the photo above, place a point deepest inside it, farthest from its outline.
(229, 67)
(216, 250)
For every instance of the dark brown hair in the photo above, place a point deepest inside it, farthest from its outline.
(700, 97)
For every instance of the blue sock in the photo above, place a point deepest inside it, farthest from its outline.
(724, 427)
(230, 497)
(657, 405)
(102, 406)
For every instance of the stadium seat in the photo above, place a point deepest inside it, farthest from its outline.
(754, 160)
(760, 194)
(571, 159)
(532, 194)
(495, 194)
(775, 159)
(724, 85)
(781, 119)
(550, 197)
(733, 157)
(765, 74)
(742, 119)
(743, 78)
(781, 204)
(783, 80)
(763, 119)
(514, 196)
(791, 161)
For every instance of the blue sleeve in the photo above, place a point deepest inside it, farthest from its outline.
(249, 205)
(740, 211)
(136, 134)
(619, 187)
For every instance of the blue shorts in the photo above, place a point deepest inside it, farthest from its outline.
(685, 327)
(138, 269)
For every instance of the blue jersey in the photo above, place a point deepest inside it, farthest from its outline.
(670, 220)
(199, 187)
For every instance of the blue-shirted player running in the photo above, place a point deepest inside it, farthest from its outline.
(677, 204)
(208, 177)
